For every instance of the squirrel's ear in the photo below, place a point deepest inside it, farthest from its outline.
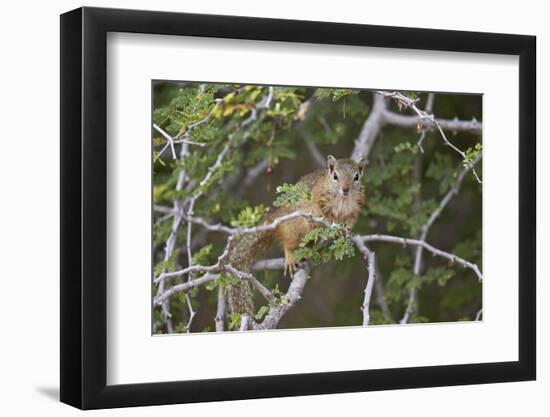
(331, 162)
(361, 164)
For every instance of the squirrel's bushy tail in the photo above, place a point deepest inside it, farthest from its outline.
(241, 256)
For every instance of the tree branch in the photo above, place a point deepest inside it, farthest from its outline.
(245, 322)
(261, 228)
(264, 104)
(371, 266)
(369, 132)
(253, 173)
(425, 117)
(378, 117)
(424, 234)
(220, 311)
(236, 231)
(479, 314)
(275, 263)
(294, 293)
(416, 242)
(268, 295)
(455, 125)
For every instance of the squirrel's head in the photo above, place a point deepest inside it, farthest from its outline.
(344, 176)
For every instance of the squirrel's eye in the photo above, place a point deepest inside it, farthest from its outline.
(356, 177)
(335, 177)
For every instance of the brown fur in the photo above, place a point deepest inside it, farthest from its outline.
(327, 200)
(336, 194)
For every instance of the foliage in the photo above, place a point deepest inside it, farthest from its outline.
(202, 256)
(249, 216)
(471, 154)
(333, 93)
(265, 157)
(234, 321)
(322, 244)
(223, 281)
(291, 193)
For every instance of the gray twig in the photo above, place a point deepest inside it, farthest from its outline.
(416, 242)
(293, 294)
(479, 314)
(220, 310)
(237, 231)
(426, 117)
(264, 264)
(371, 266)
(369, 132)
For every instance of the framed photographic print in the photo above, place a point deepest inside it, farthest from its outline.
(258, 208)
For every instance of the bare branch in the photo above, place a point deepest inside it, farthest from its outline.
(220, 311)
(185, 133)
(412, 303)
(171, 241)
(453, 125)
(371, 263)
(184, 287)
(192, 314)
(370, 129)
(235, 231)
(479, 314)
(164, 218)
(168, 138)
(447, 198)
(294, 293)
(268, 295)
(409, 311)
(378, 117)
(190, 209)
(430, 102)
(185, 271)
(430, 118)
(163, 209)
(275, 263)
(253, 173)
(264, 104)
(261, 228)
(245, 322)
(423, 117)
(416, 242)
(170, 142)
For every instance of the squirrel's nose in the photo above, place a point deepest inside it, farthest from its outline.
(345, 190)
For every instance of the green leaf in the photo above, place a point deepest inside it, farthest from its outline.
(291, 193)
(168, 265)
(406, 146)
(334, 94)
(224, 281)
(234, 321)
(201, 256)
(471, 154)
(250, 216)
(322, 244)
(261, 313)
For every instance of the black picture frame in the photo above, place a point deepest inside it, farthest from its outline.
(84, 207)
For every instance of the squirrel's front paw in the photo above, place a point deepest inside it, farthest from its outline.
(291, 269)
(290, 266)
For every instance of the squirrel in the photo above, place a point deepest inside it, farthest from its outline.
(336, 194)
